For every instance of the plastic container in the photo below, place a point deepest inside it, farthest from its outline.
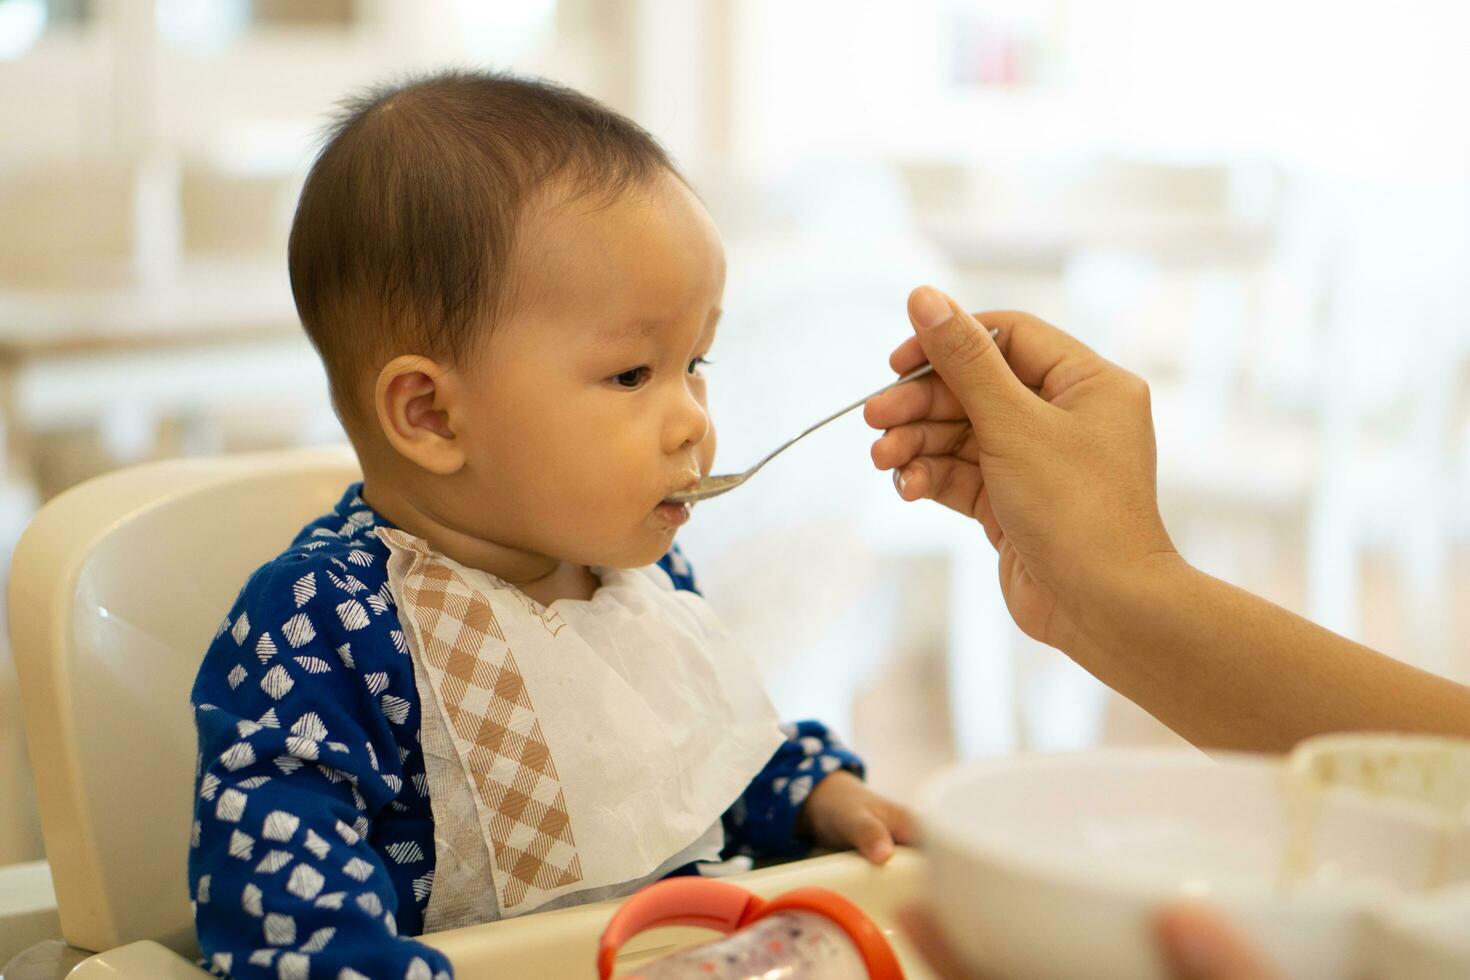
(806, 934)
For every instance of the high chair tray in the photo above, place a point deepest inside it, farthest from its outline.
(562, 945)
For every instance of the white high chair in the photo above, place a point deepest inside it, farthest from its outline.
(116, 588)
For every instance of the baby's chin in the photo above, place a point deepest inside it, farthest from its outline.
(637, 555)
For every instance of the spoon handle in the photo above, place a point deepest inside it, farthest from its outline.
(911, 376)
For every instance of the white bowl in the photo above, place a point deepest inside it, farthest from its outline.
(1055, 866)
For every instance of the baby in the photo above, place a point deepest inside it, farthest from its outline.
(485, 683)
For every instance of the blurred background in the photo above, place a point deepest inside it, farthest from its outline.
(1261, 207)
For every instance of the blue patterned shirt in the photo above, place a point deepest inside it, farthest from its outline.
(313, 842)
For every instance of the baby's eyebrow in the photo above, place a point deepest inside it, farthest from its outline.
(612, 333)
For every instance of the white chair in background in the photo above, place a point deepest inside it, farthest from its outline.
(1394, 348)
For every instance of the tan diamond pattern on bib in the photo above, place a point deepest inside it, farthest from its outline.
(492, 718)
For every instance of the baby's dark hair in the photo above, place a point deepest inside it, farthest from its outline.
(404, 234)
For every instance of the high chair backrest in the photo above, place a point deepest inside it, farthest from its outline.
(116, 590)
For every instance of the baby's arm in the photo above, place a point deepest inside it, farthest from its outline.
(295, 762)
(812, 791)
(763, 822)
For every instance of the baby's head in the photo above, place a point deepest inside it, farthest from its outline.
(512, 291)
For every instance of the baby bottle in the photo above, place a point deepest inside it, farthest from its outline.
(806, 934)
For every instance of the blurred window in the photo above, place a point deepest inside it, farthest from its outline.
(206, 28)
(24, 22)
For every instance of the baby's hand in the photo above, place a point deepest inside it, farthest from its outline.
(842, 812)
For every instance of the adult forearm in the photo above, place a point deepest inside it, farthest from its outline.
(1227, 669)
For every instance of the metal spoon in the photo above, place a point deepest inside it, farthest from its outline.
(713, 486)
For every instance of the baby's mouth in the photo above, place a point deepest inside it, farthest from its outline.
(673, 511)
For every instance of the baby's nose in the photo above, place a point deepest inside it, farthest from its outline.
(689, 424)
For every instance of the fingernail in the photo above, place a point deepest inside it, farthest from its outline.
(930, 307)
(899, 480)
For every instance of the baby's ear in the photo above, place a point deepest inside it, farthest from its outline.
(412, 399)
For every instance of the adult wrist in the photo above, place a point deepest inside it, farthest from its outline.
(1110, 601)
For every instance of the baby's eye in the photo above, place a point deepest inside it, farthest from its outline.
(631, 378)
(697, 363)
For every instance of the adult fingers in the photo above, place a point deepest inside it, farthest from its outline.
(907, 356)
(944, 479)
(897, 446)
(968, 359)
(910, 354)
(1037, 352)
(924, 933)
(1043, 358)
(927, 398)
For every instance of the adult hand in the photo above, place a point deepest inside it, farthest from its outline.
(1045, 443)
(1052, 449)
(1195, 943)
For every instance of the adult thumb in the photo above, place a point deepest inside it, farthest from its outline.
(1199, 946)
(966, 357)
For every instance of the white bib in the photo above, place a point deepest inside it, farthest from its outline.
(576, 750)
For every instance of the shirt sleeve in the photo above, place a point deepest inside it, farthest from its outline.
(295, 761)
(679, 570)
(762, 822)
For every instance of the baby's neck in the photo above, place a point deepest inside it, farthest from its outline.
(541, 577)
